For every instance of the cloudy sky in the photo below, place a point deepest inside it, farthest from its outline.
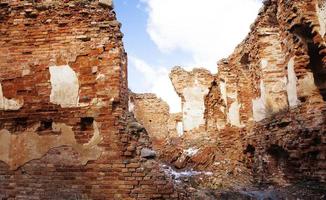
(161, 34)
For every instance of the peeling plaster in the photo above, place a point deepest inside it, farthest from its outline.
(131, 106)
(259, 104)
(223, 91)
(191, 151)
(292, 85)
(264, 63)
(9, 104)
(179, 128)
(194, 107)
(65, 86)
(18, 149)
(321, 13)
(234, 114)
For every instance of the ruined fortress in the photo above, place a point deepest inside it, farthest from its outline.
(71, 129)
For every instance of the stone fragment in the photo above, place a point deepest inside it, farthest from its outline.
(135, 127)
(147, 153)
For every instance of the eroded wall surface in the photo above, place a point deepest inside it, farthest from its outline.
(153, 113)
(64, 131)
(192, 87)
(266, 104)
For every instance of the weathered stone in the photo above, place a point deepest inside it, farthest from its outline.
(148, 153)
(135, 127)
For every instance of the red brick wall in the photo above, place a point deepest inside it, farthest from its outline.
(87, 37)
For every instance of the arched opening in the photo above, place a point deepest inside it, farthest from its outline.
(316, 64)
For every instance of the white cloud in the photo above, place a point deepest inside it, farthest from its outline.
(208, 29)
(158, 81)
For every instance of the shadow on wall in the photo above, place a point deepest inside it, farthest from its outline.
(316, 64)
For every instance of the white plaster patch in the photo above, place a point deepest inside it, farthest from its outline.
(191, 152)
(65, 86)
(194, 107)
(222, 109)
(259, 104)
(292, 85)
(179, 128)
(223, 91)
(9, 104)
(234, 114)
(18, 149)
(263, 63)
(131, 106)
(321, 13)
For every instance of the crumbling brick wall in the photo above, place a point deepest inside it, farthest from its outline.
(290, 145)
(63, 106)
(277, 76)
(267, 99)
(154, 114)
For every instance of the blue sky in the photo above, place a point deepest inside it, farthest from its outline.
(161, 34)
(138, 44)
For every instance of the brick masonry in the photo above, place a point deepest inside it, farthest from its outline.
(64, 130)
(264, 111)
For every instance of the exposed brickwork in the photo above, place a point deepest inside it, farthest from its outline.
(153, 113)
(266, 105)
(49, 49)
(65, 129)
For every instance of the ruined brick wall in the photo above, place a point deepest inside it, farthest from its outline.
(276, 80)
(277, 67)
(266, 104)
(153, 113)
(292, 145)
(192, 87)
(63, 106)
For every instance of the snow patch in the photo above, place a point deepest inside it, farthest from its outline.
(191, 151)
(177, 175)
